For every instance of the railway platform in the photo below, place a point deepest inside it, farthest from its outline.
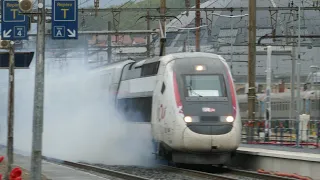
(54, 171)
(58, 172)
(303, 150)
(273, 158)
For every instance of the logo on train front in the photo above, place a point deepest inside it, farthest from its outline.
(206, 109)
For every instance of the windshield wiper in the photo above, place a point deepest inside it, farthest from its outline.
(192, 91)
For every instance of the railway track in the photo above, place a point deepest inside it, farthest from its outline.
(96, 169)
(164, 172)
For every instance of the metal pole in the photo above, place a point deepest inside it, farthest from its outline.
(298, 78)
(188, 41)
(148, 36)
(36, 157)
(252, 64)
(86, 53)
(293, 73)
(163, 24)
(109, 44)
(268, 93)
(10, 112)
(198, 15)
(312, 79)
(148, 28)
(231, 61)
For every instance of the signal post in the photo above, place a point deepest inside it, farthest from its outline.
(14, 27)
(64, 26)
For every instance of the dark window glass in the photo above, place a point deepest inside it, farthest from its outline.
(150, 69)
(205, 85)
(163, 88)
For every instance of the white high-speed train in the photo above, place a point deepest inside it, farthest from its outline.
(189, 99)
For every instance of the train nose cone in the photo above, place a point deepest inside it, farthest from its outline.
(196, 142)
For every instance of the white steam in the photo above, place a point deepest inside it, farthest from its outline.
(80, 124)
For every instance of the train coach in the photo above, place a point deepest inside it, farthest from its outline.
(281, 103)
(189, 99)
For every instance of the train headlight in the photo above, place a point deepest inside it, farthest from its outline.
(200, 68)
(188, 119)
(229, 119)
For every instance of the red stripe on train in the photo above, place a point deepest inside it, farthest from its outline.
(176, 91)
(233, 93)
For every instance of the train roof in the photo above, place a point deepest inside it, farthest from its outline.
(134, 70)
(172, 56)
(118, 64)
(169, 57)
(191, 54)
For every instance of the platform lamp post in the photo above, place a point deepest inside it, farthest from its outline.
(188, 31)
(231, 44)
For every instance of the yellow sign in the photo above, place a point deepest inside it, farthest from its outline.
(66, 7)
(14, 11)
(64, 13)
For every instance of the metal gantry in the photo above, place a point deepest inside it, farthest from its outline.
(231, 37)
(213, 9)
(187, 31)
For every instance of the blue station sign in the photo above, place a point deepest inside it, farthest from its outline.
(64, 19)
(14, 26)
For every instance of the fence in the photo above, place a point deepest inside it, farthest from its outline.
(281, 133)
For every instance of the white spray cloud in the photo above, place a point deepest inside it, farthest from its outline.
(79, 121)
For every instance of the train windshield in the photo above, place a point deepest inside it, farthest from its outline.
(205, 86)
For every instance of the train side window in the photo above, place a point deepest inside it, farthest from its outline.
(150, 69)
(163, 88)
(286, 106)
(136, 109)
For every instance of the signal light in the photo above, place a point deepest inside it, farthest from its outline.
(25, 5)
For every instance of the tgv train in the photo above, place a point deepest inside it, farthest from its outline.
(280, 105)
(189, 99)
